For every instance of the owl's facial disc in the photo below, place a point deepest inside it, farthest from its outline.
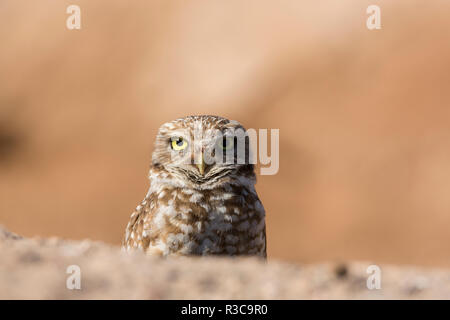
(201, 149)
(201, 161)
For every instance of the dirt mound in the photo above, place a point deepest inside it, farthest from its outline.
(37, 269)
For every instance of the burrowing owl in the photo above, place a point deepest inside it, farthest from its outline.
(195, 206)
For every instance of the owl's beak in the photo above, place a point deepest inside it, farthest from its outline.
(201, 164)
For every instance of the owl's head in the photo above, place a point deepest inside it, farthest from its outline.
(202, 149)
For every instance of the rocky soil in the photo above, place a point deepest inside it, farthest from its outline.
(37, 269)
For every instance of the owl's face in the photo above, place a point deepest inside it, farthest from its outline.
(199, 149)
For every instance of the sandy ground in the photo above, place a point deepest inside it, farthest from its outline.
(36, 269)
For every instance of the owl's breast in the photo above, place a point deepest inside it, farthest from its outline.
(227, 222)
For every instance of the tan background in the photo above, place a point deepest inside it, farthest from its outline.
(364, 116)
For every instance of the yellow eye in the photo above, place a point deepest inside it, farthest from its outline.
(178, 144)
(227, 143)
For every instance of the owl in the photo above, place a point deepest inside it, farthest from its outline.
(202, 198)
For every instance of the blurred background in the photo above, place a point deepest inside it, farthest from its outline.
(364, 116)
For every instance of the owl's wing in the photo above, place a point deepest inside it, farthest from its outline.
(135, 235)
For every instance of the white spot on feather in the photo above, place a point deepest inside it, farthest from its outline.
(196, 197)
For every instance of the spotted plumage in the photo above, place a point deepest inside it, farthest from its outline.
(198, 208)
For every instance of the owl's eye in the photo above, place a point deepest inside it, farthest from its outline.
(226, 143)
(178, 144)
